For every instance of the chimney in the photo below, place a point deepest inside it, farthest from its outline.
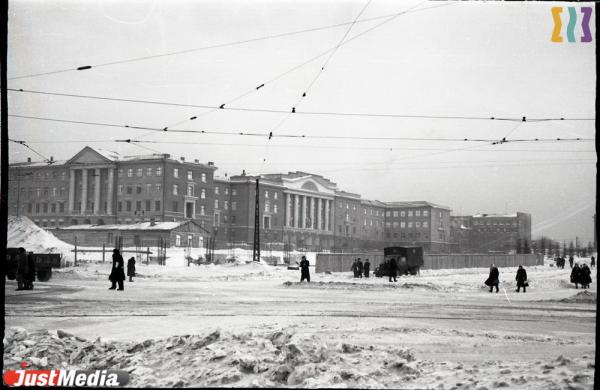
(211, 164)
(28, 159)
(182, 159)
(196, 161)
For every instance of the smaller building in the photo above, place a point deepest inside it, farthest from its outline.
(142, 234)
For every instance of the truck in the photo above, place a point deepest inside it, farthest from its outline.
(44, 262)
(409, 260)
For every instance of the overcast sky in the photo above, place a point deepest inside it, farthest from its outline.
(461, 59)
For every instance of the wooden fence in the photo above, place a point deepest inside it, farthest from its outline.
(342, 262)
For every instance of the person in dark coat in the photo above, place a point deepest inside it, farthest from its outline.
(562, 262)
(571, 261)
(575, 275)
(521, 279)
(393, 269)
(359, 268)
(354, 268)
(585, 277)
(304, 273)
(22, 269)
(494, 279)
(367, 268)
(30, 275)
(131, 268)
(593, 262)
(117, 275)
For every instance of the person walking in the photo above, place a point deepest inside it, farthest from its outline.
(354, 268)
(571, 261)
(30, 275)
(575, 275)
(494, 279)
(393, 269)
(359, 268)
(593, 262)
(22, 269)
(367, 268)
(131, 268)
(585, 277)
(304, 272)
(521, 279)
(117, 275)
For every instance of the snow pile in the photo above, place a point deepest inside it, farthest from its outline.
(583, 297)
(24, 233)
(278, 358)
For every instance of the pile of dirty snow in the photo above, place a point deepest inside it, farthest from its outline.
(281, 358)
(584, 296)
(22, 232)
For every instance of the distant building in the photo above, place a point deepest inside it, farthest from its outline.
(491, 232)
(297, 209)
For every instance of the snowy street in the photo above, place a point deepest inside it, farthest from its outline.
(445, 318)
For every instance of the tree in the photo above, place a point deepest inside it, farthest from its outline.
(564, 250)
(556, 249)
(571, 249)
(542, 245)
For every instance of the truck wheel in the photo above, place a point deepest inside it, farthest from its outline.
(44, 275)
(11, 276)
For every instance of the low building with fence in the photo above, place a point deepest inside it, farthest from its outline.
(143, 234)
(342, 262)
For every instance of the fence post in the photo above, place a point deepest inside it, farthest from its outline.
(75, 260)
(147, 255)
(103, 250)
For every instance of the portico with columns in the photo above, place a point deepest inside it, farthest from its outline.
(91, 188)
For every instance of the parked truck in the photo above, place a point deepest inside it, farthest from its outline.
(44, 262)
(409, 260)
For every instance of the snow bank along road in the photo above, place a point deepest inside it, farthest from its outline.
(440, 329)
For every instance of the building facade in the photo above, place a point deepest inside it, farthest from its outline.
(299, 210)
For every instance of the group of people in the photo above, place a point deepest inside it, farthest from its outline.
(560, 262)
(25, 271)
(359, 268)
(494, 279)
(581, 275)
(117, 274)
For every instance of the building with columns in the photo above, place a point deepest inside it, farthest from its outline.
(303, 210)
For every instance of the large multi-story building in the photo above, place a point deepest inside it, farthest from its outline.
(491, 232)
(303, 210)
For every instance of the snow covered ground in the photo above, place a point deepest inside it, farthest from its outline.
(251, 324)
(256, 325)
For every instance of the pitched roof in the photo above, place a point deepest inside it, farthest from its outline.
(418, 203)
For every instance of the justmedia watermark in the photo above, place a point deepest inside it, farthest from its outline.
(70, 378)
(586, 14)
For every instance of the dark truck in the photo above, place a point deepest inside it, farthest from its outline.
(408, 258)
(44, 262)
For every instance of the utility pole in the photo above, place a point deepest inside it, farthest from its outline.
(256, 249)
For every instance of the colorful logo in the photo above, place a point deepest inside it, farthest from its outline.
(61, 378)
(585, 24)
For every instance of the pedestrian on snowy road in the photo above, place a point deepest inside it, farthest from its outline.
(304, 272)
(117, 275)
(30, 275)
(359, 268)
(494, 279)
(131, 269)
(521, 279)
(593, 262)
(571, 261)
(393, 269)
(22, 269)
(367, 268)
(585, 277)
(576, 275)
(354, 268)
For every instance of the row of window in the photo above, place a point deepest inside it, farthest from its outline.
(495, 230)
(495, 223)
(45, 191)
(44, 208)
(414, 236)
(409, 213)
(403, 224)
(39, 175)
(128, 205)
(129, 190)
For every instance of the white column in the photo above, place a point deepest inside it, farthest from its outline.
(296, 208)
(97, 191)
(84, 183)
(288, 210)
(327, 214)
(312, 213)
(304, 212)
(320, 214)
(109, 191)
(71, 191)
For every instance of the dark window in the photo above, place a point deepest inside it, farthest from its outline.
(396, 235)
(138, 189)
(53, 207)
(29, 207)
(129, 190)
(119, 206)
(175, 206)
(61, 207)
(37, 208)
(148, 205)
(138, 205)
(233, 219)
(157, 205)
(128, 205)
